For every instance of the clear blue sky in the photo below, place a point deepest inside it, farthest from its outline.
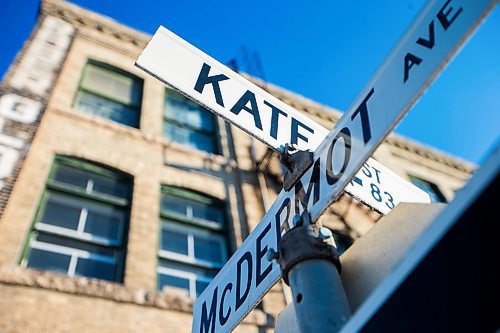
(324, 50)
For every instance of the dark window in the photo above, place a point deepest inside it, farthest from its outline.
(110, 93)
(188, 123)
(427, 186)
(342, 241)
(81, 224)
(193, 243)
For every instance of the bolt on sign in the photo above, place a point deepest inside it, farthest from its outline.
(431, 41)
(231, 96)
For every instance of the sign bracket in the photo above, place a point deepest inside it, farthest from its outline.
(296, 162)
(308, 252)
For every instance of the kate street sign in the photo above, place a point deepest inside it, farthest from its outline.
(431, 41)
(231, 96)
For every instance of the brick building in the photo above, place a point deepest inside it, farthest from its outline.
(114, 213)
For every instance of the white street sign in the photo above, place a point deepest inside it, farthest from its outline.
(227, 94)
(425, 49)
(382, 189)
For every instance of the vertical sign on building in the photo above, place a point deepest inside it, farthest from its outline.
(24, 94)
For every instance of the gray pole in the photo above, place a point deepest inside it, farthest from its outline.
(311, 267)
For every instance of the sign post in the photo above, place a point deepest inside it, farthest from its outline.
(431, 41)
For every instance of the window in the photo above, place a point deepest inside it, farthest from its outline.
(110, 93)
(431, 188)
(81, 224)
(342, 241)
(192, 240)
(188, 123)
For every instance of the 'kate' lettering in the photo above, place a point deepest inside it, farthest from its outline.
(204, 79)
(241, 104)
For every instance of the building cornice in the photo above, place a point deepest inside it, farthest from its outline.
(80, 17)
(297, 101)
(430, 153)
(315, 109)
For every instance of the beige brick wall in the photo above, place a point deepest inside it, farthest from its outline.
(152, 161)
(47, 311)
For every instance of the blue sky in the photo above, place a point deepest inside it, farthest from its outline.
(324, 50)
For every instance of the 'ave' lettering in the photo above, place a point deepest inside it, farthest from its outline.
(446, 16)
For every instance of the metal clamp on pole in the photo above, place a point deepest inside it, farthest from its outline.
(296, 163)
(310, 265)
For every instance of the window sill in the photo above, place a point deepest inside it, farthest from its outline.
(205, 156)
(196, 222)
(186, 260)
(137, 133)
(82, 286)
(75, 235)
(96, 120)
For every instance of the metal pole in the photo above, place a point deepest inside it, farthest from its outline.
(320, 301)
(311, 267)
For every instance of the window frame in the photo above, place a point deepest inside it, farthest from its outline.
(178, 221)
(79, 233)
(433, 186)
(213, 135)
(191, 277)
(113, 71)
(119, 248)
(191, 258)
(197, 197)
(73, 253)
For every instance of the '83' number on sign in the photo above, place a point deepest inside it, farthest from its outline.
(376, 190)
(388, 199)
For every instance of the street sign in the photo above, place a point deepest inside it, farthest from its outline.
(380, 188)
(228, 94)
(428, 45)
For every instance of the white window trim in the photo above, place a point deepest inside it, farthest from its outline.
(90, 177)
(190, 276)
(189, 212)
(73, 253)
(90, 186)
(84, 236)
(79, 233)
(190, 258)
